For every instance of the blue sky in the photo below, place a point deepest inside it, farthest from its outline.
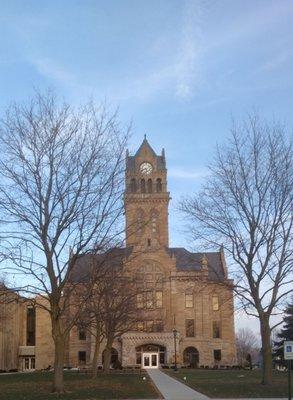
(178, 69)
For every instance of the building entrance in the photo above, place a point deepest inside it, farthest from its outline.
(150, 360)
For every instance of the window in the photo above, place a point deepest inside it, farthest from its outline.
(149, 326)
(33, 363)
(216, 330)
(149, 300)
(82, 357)
(149, 242)
(159, 325)
(139, 300)
(159, 185)
(189, 328)
(81, 334)
(188, 300)
(217, 355)
(154, 219)
(159, 299)
(133, 186)
(31, 326)
(215, 302)
(150, 186)
(139, 326)
(140, 221)
(142, 186)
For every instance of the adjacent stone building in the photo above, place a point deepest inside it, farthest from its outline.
(185, 302)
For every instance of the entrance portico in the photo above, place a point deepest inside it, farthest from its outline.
(148, 350)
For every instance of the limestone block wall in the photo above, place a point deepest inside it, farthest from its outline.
(11, 334)
(44, 341)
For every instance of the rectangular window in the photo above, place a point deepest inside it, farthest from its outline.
(139, 326)
(31, 326)
(82, 357)
(149, 300)
(189, 328)
(159, 325)
(139, 300)
(81, 334)
(217, 355)
(159, 299)
(216, 330)
(188, 300)
(215, 301)
(149, 326)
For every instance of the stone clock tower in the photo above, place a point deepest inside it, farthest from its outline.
(146, 199)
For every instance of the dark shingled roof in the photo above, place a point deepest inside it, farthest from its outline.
(187, 261)
(85, 263)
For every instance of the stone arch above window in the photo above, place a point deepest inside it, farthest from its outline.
(150, 186)
(142, 186)
(159, 185)
(191, 357)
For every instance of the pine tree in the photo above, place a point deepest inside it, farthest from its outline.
(285, 334)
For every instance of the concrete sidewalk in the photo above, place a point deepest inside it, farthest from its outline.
(171, 389)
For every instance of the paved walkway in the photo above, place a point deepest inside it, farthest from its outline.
(172, 389)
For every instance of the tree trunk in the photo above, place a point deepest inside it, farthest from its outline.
(58, 386)
(267, 369)
(95, 357)
(107, 354)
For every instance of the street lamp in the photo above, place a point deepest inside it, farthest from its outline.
(175, 336)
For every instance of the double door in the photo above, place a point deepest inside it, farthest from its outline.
(150, 360)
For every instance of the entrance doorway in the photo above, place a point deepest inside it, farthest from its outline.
(150, 360)
(149, 350)
(191, 357)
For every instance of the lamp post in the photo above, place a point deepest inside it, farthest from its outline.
(175, 348)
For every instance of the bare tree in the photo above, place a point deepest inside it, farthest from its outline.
(61, 185)
(246, 203)
(118, 305)
(246, 345)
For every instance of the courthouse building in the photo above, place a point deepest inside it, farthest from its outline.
(185, 300)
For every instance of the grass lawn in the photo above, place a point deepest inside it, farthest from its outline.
(232, 383)
(37, 386)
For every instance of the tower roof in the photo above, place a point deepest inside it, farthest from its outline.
(145, 147)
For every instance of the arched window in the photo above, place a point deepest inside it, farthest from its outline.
(191, 357)
(159, 185)
(142, 186)
(150, 186)
(114, 356)
(133, 185)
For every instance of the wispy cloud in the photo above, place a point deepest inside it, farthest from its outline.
(276, 62)
(190, 51)
(180, 173)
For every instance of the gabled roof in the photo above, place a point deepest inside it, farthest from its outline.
(145, 146)
(187, 261)
(161, 162)
(86, 263)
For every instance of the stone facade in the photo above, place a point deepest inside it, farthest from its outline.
(185, 298)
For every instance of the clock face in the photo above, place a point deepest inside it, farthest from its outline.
(146, 168)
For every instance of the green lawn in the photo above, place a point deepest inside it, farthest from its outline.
(37, 386)
(232, 383)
